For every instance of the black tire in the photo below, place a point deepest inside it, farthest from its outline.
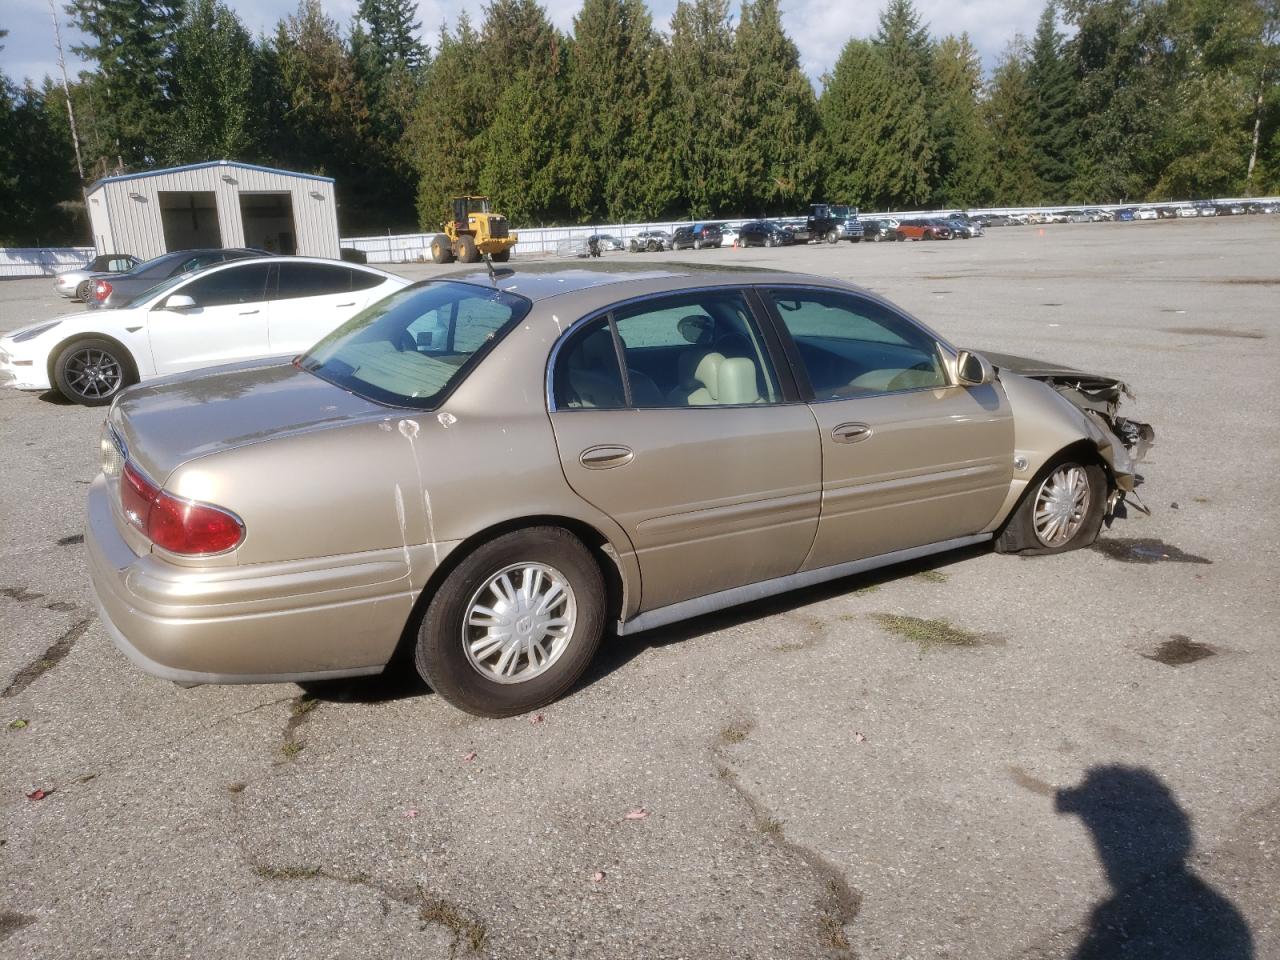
(441, 658)
(467, 252)
(91, 371)
(1018, 535)
(502, 256)
(634, 247)
(84, 289)
(441, 249)
(927, 235)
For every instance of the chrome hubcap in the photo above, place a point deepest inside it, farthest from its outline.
(94, 373)
(1062, 503)
(519, 622)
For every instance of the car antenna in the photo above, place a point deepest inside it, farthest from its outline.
(494, 274)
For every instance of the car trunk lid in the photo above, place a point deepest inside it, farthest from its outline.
(167, 422)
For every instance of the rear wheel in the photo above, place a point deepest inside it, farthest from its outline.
(515, 623)
(84, 289)
(91, 372)
(833, 236)
(697, 244)
(467, 252)
(441, 249)
(1062, 510)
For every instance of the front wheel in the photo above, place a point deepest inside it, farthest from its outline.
(1062, 510)
(441, 249)
(515, 623)
(91, 372)
(833, 236)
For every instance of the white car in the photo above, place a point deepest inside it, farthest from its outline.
(1146, 213)
(1187, 212)
(242, 310)
(68, 283)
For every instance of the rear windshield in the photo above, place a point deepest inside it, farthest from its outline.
(411, 348)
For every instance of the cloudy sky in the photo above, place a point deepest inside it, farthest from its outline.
(819, 27)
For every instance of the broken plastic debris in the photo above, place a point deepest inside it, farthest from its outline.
(411, 814)
(639, 813)
(598, 877)
(537, 718)
(469, 757)
(858, 737)
(39, 793)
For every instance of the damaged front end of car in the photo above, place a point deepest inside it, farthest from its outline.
(1122, 441)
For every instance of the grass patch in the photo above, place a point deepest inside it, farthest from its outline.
(932, 576)
(464, 929)
(304, 705)
(927, 634)
(771, 826)
(735, 733)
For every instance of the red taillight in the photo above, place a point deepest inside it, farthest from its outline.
(180, 526)
(101, 290)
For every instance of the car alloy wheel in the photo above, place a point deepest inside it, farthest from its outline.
(94, 374)
(1061, 506)
(519, 622)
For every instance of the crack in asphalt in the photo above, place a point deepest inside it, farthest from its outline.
(839, 903)
(54, 654)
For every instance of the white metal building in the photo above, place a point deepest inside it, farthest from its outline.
(217, 204)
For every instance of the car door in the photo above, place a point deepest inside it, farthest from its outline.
(227, 323)
(670, 416)
(908, 456)
(311, 300)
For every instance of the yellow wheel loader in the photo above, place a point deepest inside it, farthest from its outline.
(473, 231)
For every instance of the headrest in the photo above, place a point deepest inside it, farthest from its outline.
(735, 381)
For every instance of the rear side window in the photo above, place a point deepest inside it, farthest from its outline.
(412, 348)
(246, 284)
(362, 280)
(312, 280)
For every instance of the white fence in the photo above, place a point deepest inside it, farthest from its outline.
(41, 261)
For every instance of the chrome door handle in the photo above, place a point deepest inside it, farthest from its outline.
(850, 432)
(247, 313)
(605, 456)
(351, 304)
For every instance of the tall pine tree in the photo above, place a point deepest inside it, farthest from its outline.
(960, 139)
(1053, 130)
(704, 100)
(904, 45)
(775, 157)
(1008, 111)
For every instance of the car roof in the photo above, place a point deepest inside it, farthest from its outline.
(545, 281)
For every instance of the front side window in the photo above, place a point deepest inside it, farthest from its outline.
(247, 284)
(851, 346)
(412, 348)
(693, 350)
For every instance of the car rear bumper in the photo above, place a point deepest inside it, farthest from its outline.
(262, 623)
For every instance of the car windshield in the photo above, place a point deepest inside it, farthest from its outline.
(411, 348)
(158, 289)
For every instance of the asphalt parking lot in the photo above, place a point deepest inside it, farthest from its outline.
(1085, 764)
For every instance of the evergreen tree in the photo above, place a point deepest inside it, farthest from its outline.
(131, 43)
(1008, 110)
(904, 41)
(215, 116)
(704, 101)
(775, 157)
(875, 132)
(1053, 132)
(958, 134)
(446, 121)
(616, 72)
(37, 169)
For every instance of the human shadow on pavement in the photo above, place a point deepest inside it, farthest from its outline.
(1158, 908)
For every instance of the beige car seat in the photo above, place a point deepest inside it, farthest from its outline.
(724, 381)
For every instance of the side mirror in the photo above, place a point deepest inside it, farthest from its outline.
(973, 369)
(180, 302)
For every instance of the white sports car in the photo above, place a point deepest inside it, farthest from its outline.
(242, 310)
(1146, 213)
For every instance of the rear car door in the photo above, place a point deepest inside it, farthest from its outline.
(311, 299)
(227, 323)
(671, 417)
(908, 456)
